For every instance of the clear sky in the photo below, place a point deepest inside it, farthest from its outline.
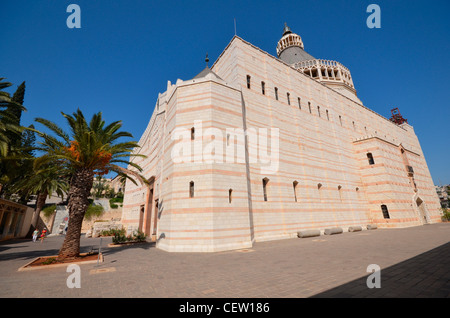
(126, 51)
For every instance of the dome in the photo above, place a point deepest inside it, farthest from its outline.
(288, 39)
(290, 47)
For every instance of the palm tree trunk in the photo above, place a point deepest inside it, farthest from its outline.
(40, 202)
(80, 188)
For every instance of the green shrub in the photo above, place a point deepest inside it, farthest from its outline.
(119, 236)
(49, 210)
(113, 201)
(49, 261)
(446, 214)
(139, 236)
(93, 211)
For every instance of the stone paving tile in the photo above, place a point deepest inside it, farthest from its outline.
(414, 263)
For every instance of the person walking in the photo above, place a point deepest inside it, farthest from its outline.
(35, 234)
(44, 231)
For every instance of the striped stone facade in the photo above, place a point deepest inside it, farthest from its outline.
(323, 177)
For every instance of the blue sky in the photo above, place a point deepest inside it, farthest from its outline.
(126, 51)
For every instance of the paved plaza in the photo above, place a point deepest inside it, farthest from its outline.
(414, 262)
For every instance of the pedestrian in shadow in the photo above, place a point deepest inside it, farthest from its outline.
(35, 235)
(44, 231)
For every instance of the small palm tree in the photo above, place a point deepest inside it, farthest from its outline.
(43, 182)
(89, 149)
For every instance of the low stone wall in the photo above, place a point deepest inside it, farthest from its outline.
(110, 215)
(100, 226)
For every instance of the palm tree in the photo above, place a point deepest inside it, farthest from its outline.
(89, 149)
(43, 182)
(8, 118)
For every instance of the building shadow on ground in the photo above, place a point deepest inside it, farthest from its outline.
(425, 275)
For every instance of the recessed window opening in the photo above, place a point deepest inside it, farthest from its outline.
(265, 181)
(328, 117)
(309, 106)
(385, 211)
(191, 189)
(276, 93)
(230, 192)
(299, 103)
(294, 184)
(192, 133)
(318, 110)
(340, 119)
(370, 159)
(263, 88)
(288, 98)
(248, 81)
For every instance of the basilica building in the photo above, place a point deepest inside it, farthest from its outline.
(259, 147)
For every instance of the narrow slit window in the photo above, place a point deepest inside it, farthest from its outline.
(294, 184)
(370, 159)
(248, 81)
(192, 133)
(265, 181)
(276, 93)
(288, 98)
(340, 119)
(299, 103)
(191, 189)
(318, 110)
(230, 193)
(309, 106)
(263, 88)
(385, 211)
(328, 116)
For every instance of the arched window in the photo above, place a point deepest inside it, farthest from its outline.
(370, 159)
(265, 181)
(385, 211)
(191, 189)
